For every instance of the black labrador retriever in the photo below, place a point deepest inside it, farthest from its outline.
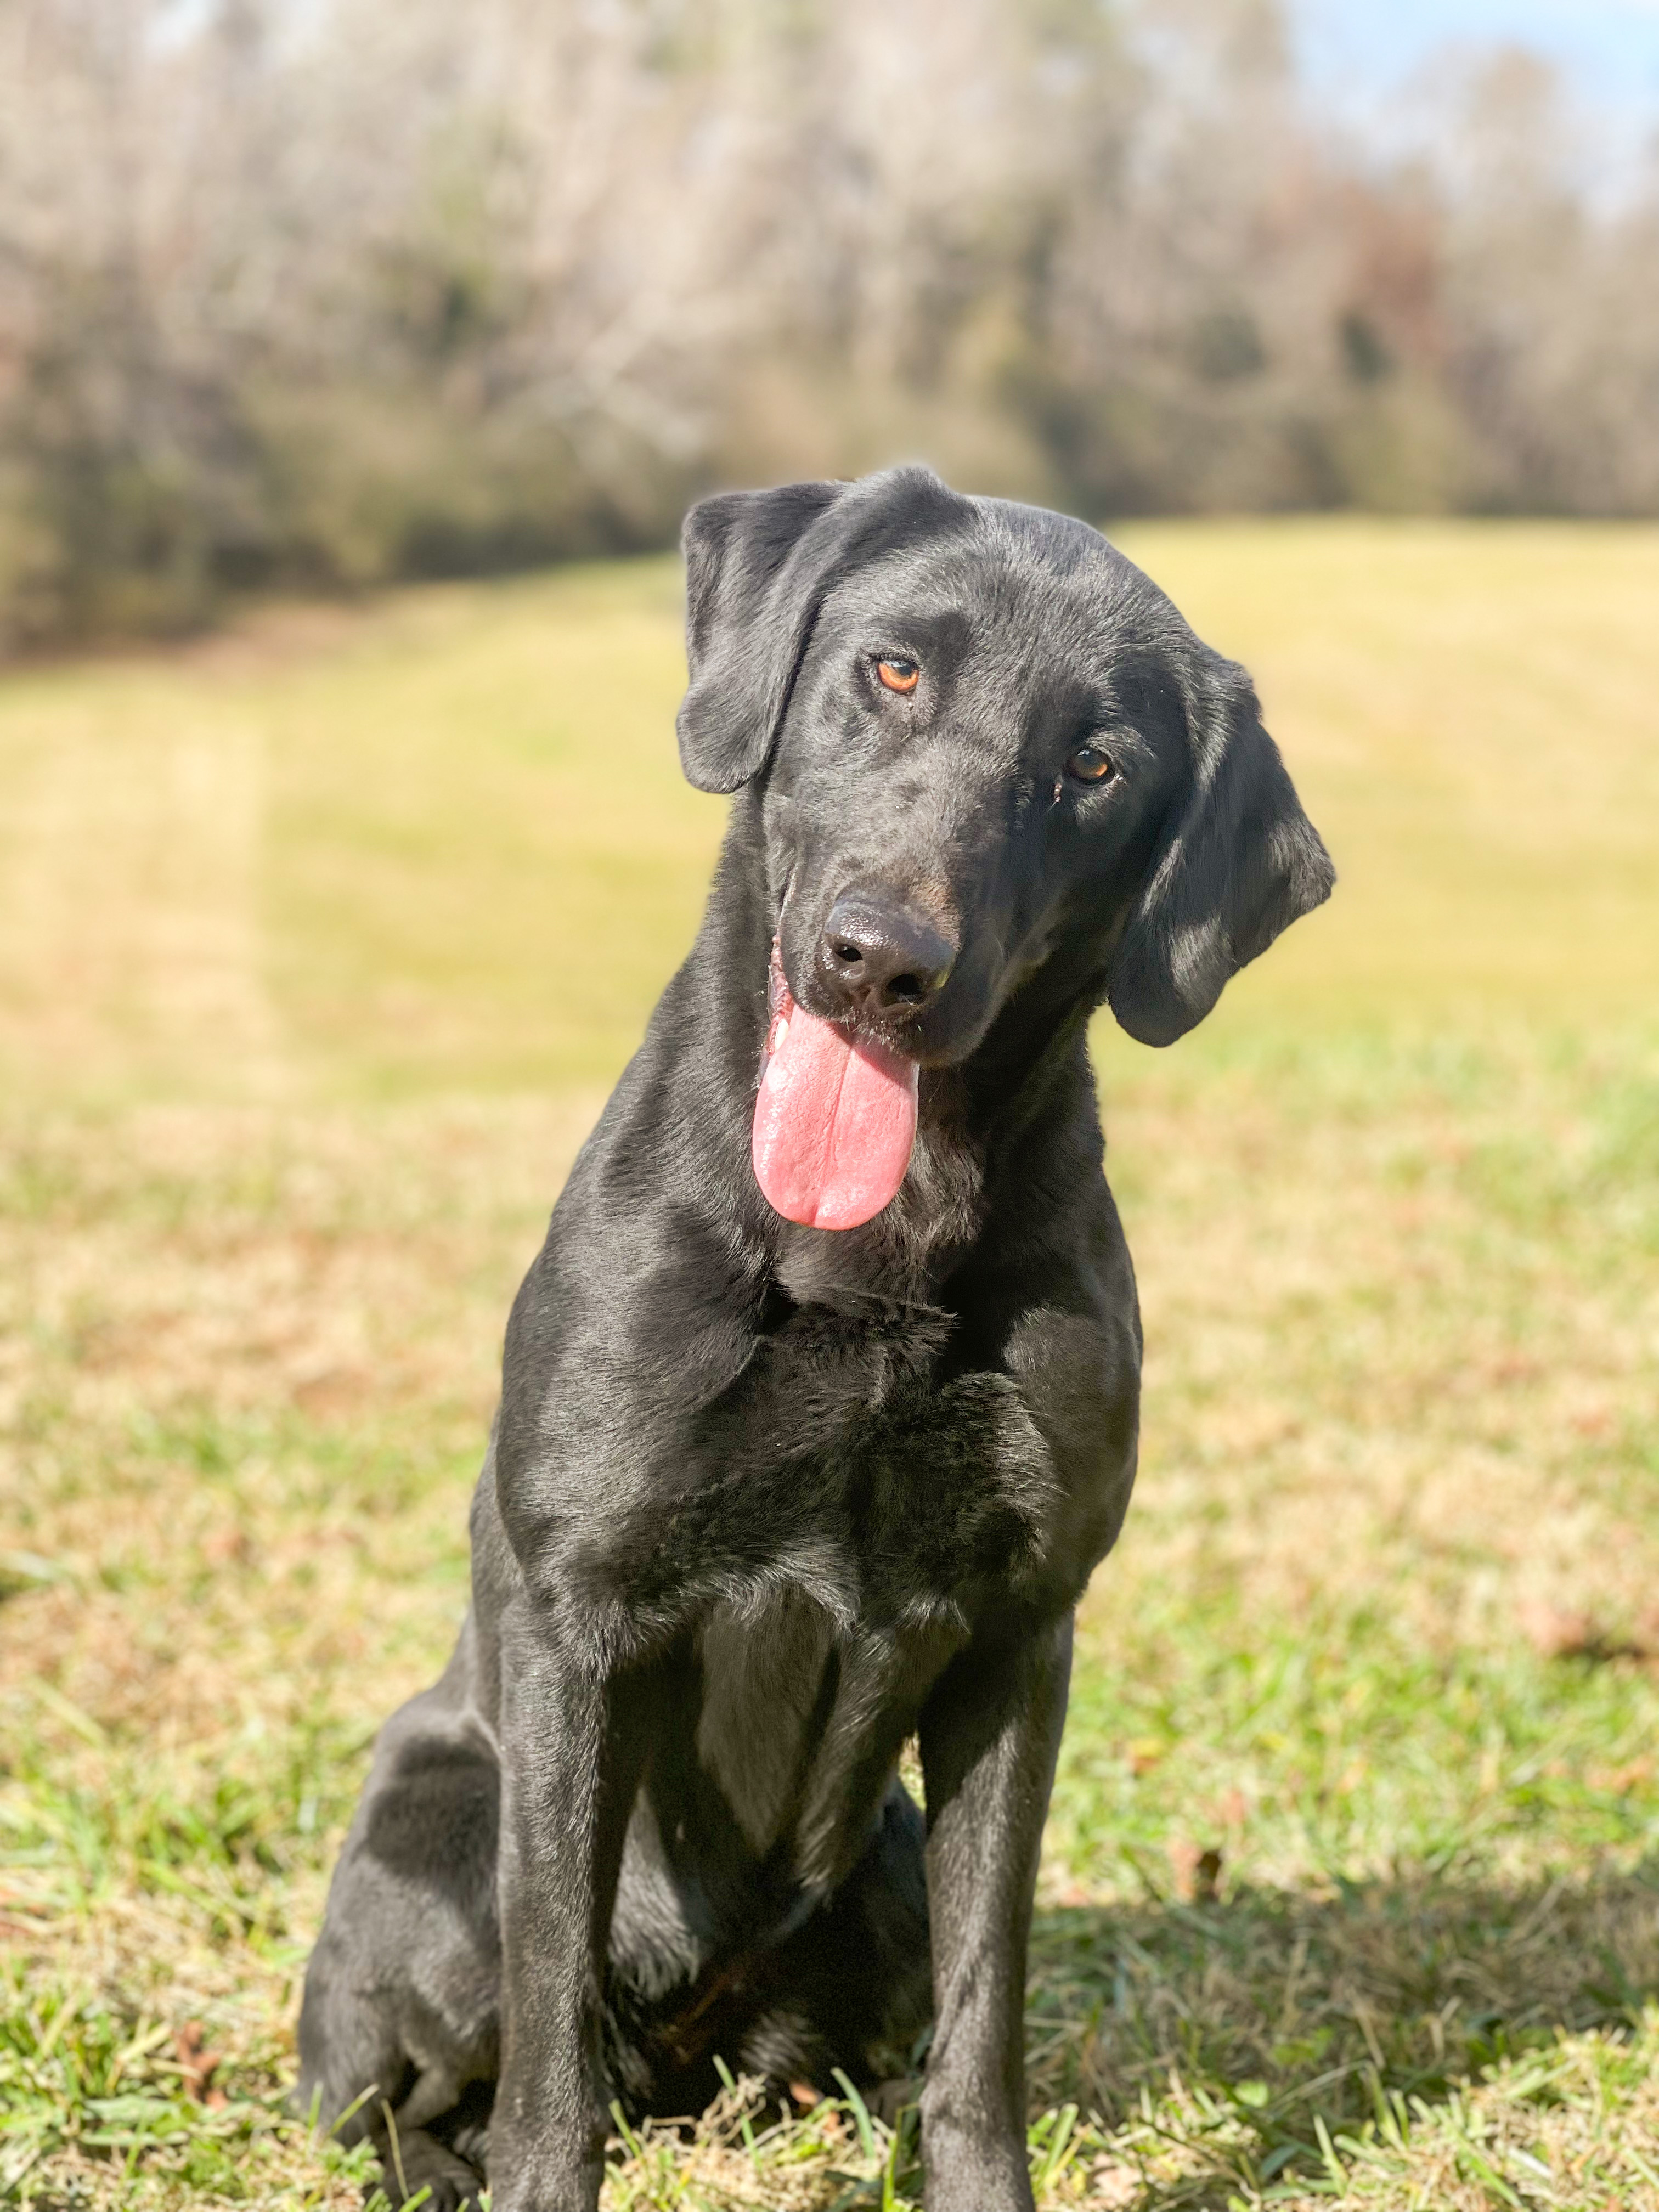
(819, 1403)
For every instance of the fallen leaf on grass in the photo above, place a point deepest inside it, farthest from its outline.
(1619, 1781)
(199, 2067)
(1197, 1871)
(1113, 2184)
(1557, 1632)
(227, 1548)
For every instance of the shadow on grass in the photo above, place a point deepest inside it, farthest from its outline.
(1287, 2015)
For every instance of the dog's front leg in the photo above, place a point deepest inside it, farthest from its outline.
(990, 1734)
(571, 1745)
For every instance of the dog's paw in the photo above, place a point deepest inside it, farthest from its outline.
(423, 2164)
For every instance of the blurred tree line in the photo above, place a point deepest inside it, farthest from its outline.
(329, 291)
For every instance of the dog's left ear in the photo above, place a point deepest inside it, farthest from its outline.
(751, 560)
(1238, 862)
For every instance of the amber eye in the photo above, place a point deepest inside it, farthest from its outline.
(1091, 764)
(898, 675)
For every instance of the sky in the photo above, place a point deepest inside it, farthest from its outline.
(1611, 47)
(1364, 56)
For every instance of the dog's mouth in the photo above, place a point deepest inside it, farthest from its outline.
(834, 1117)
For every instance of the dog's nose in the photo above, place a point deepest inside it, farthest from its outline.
(878, 959)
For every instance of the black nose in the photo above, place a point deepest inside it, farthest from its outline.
(877, 958)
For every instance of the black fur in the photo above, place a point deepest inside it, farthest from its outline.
(762, 1501)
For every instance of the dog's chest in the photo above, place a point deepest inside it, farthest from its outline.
(944, 1491)
(833, 1566)
(799, 1723)
(893, 1498)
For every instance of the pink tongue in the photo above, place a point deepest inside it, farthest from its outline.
(834, 1122)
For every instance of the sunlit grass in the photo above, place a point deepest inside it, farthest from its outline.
(318, 947)
(448, 846)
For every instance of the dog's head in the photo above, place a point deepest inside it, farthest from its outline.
(985, 745)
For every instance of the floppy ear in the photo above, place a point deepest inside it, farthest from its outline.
(753, 561)
(1238, 862)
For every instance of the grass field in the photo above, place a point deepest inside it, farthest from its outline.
(318, 946)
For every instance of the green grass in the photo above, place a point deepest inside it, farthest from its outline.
(1351, 1886)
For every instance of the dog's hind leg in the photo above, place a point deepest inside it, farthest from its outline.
(853, 1989)
(402, 1994)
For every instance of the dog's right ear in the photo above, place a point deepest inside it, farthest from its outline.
(754, 564)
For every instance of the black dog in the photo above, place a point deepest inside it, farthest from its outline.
(819, 1403)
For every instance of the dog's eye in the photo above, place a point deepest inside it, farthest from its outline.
(898, 675)
(1090, 765)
